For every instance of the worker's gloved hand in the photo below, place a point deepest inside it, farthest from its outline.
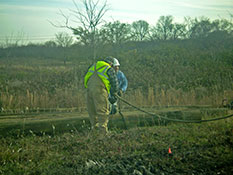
(112, 99)
(120, 93)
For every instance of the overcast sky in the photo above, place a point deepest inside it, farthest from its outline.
(30, 18)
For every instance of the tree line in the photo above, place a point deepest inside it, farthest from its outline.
(165, 29)
(117, 32)
(117, 35)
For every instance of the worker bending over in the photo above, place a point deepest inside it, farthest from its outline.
(102, 86)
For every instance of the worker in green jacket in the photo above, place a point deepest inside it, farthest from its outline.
(101, 83)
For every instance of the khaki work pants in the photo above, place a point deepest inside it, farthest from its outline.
(97, 104)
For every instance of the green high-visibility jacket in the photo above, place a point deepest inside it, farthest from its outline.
(101, 69)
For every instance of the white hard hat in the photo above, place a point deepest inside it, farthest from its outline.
(115, 62)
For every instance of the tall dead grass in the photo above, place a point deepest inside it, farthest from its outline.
(176, 97)
(73, 98)
(62, 98)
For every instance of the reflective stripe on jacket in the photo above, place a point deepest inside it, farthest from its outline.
(101, 69)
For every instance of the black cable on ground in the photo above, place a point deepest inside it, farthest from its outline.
(174, 120)
(122, 116)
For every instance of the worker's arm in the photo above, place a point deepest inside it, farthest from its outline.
(113, 81)
(124, 81)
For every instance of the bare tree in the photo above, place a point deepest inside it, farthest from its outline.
(15, 40)
(140, 30)
(89, 14)
(63, 39)
(178, 31)
(115, 33)
(164, 27)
